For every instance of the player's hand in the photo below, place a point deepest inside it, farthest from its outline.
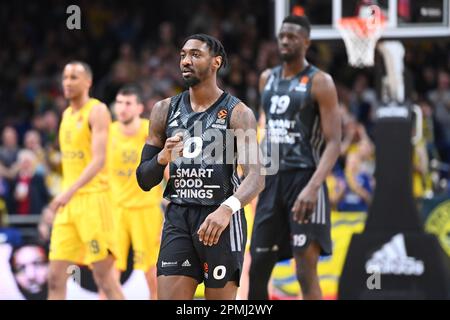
(60, 201)
(213, 226)
(173, 149)
(305, 204)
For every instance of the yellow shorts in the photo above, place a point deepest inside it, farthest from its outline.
(140, 227)
(83, 230)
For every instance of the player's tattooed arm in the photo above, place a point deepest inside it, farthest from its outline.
(324, 92)
(157, 123)
(150, 171)
(243, 123)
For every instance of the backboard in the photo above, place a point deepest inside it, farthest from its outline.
(405, 18)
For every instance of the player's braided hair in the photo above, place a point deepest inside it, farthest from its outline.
(215, 46)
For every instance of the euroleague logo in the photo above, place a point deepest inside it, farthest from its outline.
(221, 117)
(222, 114)
(205, 270)
(221, 120)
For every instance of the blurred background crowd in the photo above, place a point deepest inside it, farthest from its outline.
(139, 42)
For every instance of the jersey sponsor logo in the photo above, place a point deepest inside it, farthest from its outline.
(393, 259)
(71, 155)
(194, 194)
(280, 131)
(165, 264)
(125, 173)
(189, 183)
(186, 263)
(67, 137)
(129, 157)
(219, 126)
(205, 270)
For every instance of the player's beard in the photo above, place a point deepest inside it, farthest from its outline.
(196, 76)
(191, 81)
(288, 57)
(291, 56)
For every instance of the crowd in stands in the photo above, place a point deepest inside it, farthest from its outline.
(139, 41)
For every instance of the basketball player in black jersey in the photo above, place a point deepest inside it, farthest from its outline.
(292, 216)
(204, 231)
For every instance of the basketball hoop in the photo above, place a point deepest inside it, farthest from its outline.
(360, 36)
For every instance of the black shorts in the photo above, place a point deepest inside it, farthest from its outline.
(182, 253)
(274, 228)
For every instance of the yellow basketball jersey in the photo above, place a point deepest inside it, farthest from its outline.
(75, 141)
(123, 159)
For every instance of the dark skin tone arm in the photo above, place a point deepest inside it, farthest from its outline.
(253, 183)
(324, 92)
(172, 146)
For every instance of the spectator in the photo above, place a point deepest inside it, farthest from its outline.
(29, 190)
(9, 148)
(32, 142)
(359, 179)
(441, 100)
(363, 101)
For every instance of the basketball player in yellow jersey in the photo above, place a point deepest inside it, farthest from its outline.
(83, 227)
(137, 213)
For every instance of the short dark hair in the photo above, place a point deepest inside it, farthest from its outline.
(215, 46)
(87, 68)
(132, 89)
(302, 21)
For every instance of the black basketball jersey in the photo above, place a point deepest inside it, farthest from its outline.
(206, 173)
(292, 119)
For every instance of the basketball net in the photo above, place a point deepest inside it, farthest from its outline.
(361, 34)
